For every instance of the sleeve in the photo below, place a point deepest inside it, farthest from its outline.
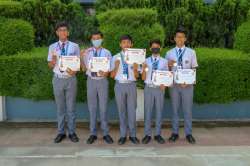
(50, 54)
(77, 51)
(109, 55)
(113, 63)
(168, 56)
(166, 65)
(194, 62)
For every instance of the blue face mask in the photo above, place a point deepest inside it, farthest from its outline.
(97, 43)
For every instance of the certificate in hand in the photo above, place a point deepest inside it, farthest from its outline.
(134, 55)
(162, 77)
(72, 62)
(185, 76)
(97, 64)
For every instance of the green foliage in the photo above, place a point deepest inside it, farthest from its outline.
(210, 25)
(31, 78)
(10, 9)
(243, 37)
(16, 35)
(139, 23)
(44, 14)
(222, 76)
(104, 5)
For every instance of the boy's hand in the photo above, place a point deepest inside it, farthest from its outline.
(70, 72)
(135, 66)
(162, 87)
(144, 67)
(171, 63)
(54, 58)
(117, 64)
(184, 85)
(83, 53)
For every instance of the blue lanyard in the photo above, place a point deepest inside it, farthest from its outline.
(155, 66)
(66, 51)
(124, 65)
(95, 53)
(179, 56)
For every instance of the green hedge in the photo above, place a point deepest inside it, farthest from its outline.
(10, 9)
(27, 75)
(209, 25)
(242, 37)
(16, 35)
(223, 76)
(44, 14)
(141, 24)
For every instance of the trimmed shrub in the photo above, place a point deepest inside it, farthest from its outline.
(141, 24)
(31, 78)
(242, 37)
(16, 35)
(10, 9)
(222, 76)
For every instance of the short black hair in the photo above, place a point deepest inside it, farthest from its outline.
(126, 37)
(62, 24)
(180, 30)
(155, 41)
(97, 33)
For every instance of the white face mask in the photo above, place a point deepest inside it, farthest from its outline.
(97, 43)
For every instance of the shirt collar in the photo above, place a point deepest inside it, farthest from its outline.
(60, 42)
(182, 48)
(157, 57)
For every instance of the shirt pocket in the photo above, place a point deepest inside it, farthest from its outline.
(187, 63)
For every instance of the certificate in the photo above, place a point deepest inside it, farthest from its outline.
(162, 77)
(133, 55)
(97, 64)
(72, 62)
(185, 76)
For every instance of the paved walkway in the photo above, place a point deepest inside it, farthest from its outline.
(31, 146)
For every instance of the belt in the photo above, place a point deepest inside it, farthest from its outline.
(152, 86)
(124, 81)
(62, 76)
(96, 78)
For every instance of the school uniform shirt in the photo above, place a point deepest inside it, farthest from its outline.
(125, 71)
(154, 63)
(70, 49)
(92, 52)
(189, 59)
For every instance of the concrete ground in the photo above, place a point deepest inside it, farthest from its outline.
(33, 145)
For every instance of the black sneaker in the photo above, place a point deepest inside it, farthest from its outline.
(159, 139)
(146, 139)
(190, 139)
(91, 139)
(73, 137)
(122, 140)
(134, 140)
(59, 138)
(173, 138)
(108, 139)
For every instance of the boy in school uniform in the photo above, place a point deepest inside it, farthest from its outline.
(64, 83)
(181, 94)
(125, 91)
(153, 95)
(97, 88)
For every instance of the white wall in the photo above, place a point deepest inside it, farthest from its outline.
(2, 108)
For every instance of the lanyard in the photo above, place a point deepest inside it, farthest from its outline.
(155, 66)
(66, 51)
(95, 53)
(179, 56)
(124, 65)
